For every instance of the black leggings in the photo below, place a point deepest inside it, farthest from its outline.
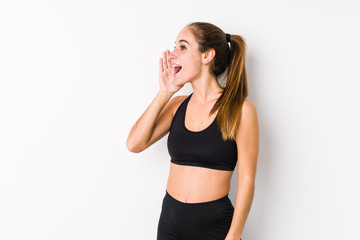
(194, 221)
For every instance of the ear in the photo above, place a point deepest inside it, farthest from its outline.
(208, 56)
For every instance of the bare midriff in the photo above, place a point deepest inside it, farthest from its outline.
(191, 184)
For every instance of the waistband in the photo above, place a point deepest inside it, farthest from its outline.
(199, 204)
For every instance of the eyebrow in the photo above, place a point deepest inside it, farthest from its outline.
(182, 40)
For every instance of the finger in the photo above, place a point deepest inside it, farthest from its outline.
(165, 60)
(161, 68)
(169, 60)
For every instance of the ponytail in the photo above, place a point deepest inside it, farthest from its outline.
(235, 92)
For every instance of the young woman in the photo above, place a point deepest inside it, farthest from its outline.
(210, 131)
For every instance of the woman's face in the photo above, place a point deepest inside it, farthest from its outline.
(187, 56)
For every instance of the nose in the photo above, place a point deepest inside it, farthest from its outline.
(172, 54)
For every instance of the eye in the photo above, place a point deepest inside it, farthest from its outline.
(181, 47)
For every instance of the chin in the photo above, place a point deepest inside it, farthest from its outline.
(181, 81)
(184, 79)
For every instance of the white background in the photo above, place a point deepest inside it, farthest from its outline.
(76, 75)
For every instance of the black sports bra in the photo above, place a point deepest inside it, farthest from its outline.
(204, 148)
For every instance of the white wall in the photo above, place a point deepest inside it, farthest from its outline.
(76, 75)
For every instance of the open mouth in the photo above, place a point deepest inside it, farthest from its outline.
(177, 69)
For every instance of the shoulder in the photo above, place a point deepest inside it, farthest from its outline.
(248, 108)
(248, 124)
(176, 102)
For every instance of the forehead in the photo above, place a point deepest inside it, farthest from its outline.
(186, 34)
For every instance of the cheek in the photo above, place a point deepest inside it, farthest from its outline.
(196, 67)
(195, 63)
(191, 65)
(191, 68)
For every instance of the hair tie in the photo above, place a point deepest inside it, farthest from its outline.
(227, 37)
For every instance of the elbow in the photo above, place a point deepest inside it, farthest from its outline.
(133, 147)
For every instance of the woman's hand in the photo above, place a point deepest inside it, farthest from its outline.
(166, 74)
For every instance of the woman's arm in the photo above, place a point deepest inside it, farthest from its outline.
(156, 119)
(155, 122)
(247, 140)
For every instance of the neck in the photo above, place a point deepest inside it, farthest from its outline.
(206, 89)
